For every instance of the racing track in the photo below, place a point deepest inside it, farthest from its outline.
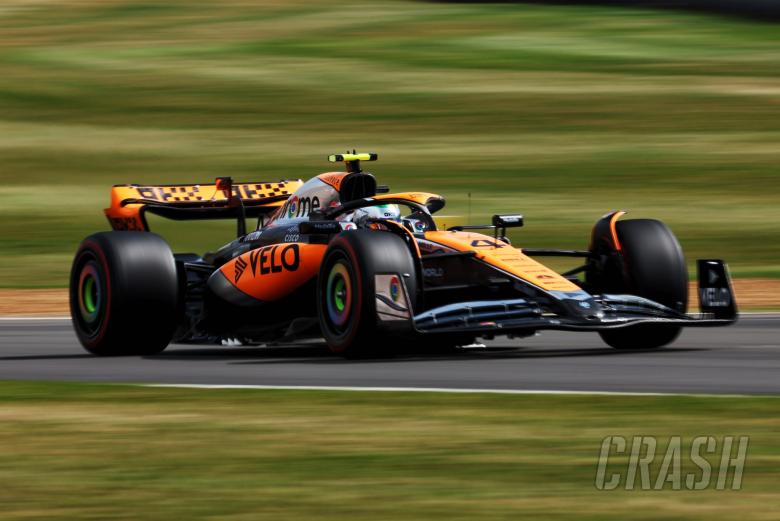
(744, 358)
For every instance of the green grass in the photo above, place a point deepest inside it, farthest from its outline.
(77, 451)
(561, 113)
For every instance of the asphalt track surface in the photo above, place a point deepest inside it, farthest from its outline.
(741, 359)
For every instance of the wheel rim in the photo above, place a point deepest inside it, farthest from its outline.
(339, 295)
(90, 295)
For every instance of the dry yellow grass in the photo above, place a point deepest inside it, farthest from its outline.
(77, 451)
(750, 293)
(33, 302)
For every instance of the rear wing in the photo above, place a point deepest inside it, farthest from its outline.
(219, 200)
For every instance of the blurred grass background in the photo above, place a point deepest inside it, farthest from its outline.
(559, 112)
(77, 451)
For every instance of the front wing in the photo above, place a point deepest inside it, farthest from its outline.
(594, 313)
(508, 316)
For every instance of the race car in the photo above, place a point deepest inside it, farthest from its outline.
(339, 257)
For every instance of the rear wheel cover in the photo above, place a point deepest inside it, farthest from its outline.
(90, 295)
(338, 296)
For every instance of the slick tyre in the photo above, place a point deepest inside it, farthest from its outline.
(124, 293)
(653, 267)
(346, 293)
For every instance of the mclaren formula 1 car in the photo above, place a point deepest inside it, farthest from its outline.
(339, 257)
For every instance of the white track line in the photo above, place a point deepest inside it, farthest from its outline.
(446, 390)
(8, 318)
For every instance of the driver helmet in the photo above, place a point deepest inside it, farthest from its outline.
(383, 211)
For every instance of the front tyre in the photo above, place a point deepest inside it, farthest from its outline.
(124, 293)
(346, 302)
(653, 266)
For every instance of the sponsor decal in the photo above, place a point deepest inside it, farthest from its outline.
(270, 259)
(254, 235)
(292, 207)
(395, 289)
(300, 206)
(333, 180)
(320, 227)
(240, 267)
(432, 247)
(386, 210)
(391, 300)
(433, 273)
(715, 297)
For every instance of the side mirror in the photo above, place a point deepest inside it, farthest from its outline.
(502, 222)
(508, 221)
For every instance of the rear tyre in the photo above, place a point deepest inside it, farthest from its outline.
(653, 266)
(124, 293)
(346, 302)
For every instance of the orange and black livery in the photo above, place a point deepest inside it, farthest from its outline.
(342, 258)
